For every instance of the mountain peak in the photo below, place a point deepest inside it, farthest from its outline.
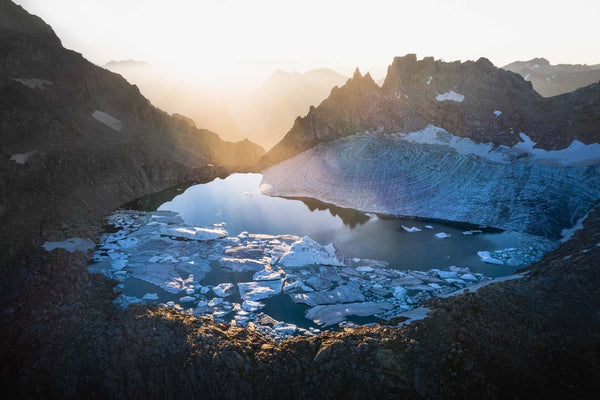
(15, 19)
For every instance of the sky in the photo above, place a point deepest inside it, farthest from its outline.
(222, 39)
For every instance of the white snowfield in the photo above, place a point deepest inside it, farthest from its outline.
(33, 83)
(108, 120)
(450, 96)
(71, 245)
(22, 157)
(433, 174)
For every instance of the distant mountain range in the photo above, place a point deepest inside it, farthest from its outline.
(551, 80)
(262, 114)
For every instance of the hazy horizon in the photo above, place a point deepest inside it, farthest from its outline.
(208, 59)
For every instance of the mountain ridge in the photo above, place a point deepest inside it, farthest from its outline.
(408, 101)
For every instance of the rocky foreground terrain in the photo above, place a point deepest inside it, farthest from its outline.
(61, 335)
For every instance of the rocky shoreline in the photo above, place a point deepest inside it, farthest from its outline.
(538, 336)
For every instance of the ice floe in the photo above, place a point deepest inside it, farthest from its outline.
(442, 235)
(317, 277)
(193, 232)
(108, 120)
(487, 258)
(332, 314)
(306, 252)
(413, 229)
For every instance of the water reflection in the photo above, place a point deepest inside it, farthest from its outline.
(349, 216)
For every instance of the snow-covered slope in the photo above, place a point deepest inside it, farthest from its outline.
(503, 187)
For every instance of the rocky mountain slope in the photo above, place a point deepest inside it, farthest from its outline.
(552, 80)
(457, 141)
(473, 99)
(77, 140)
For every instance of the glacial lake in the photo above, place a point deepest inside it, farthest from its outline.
(235, 206)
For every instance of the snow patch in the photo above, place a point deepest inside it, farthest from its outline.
(23, 157)
(497, 113)
(33, 83)
(429, 80)
(450, 96)
(108, 120)
(567, 233)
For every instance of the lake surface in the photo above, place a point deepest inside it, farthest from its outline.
(376, 264)
(237, 202)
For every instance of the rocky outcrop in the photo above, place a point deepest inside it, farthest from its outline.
(472, 99)
(551, 80)
(78, 141)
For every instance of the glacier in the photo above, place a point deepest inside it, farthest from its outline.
(433, 174)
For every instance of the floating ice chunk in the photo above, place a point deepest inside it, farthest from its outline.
(445, 274)
(193, 232)
(399, 292)
(428, 227)
(497, 113)
(265, 275)
(108, 120)
(150, 296)
(469, 277)
(415, 314)
(442, 235)
(319, 283)
(413, 229)
(242, 264)
(487, 258)
(22, 157)
(332, 314)
(365, 268)
(119, 264)
(472, 232)
(33, 83)
(186, 299)
(342, 294)
(259, 290)
(224, 289)
(308, 252)
(356, 259)
(450, 96)
(283, 329)
(71, 245)
(252, 306)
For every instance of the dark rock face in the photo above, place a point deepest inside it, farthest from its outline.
(78, 168)
(552, 80)
(407, 102)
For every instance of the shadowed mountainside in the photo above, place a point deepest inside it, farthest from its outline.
(77, 140)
